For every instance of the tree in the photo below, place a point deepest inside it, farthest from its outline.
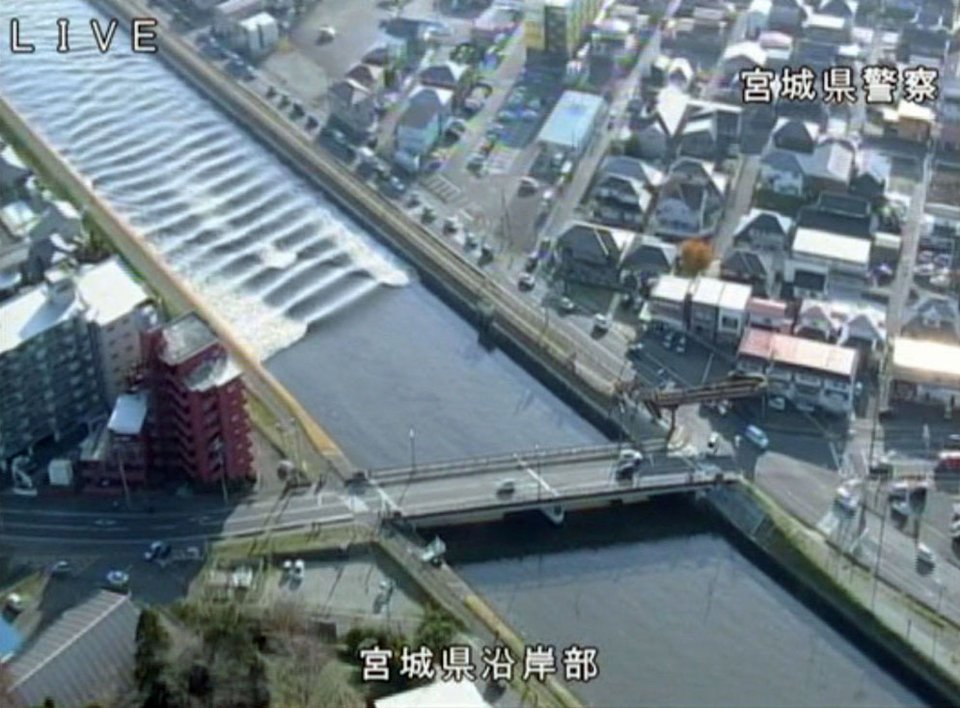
(152, 644)
(695, 256)
(437, 629)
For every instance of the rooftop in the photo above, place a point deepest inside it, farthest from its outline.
(672, 288)
(31, 314)
(109, 291)
(86, 652)
(766, 308)
(926, 356)
(824, 244)
(799, 352)
(572, 120)
(129, 413)
(186, 336)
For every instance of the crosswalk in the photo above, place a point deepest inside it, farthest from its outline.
(501, 160)
(442, 188)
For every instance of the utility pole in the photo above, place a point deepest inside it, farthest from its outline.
(413, 465)
(123, 480)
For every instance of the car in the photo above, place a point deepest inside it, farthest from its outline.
(635, 350)
(528, 185)
(299, 569)
(901, 507)
(398, 185)
(755, 435)
(601, 323)
(451, 225)
(567, 306)
(528, 115)
(681, 345)
(193, 553)
(925, 555)
(470, 241)
(925, 257)
(15, 603)
(777, 403)
(118, 580)
(943, 260)
(533, 260)
(158, 550)
(723, 407)
(360, 477)
(506, 487)
(668, 340)
(428, 214)
(413, 200)
(847, 498)
(713, 444)
(476, 162)
(952, 442)
(326, 33)
(925, 270)
(61, 568)
(527, 281)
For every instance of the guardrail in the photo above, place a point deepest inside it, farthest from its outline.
(517, 319)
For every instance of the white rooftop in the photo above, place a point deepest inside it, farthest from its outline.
(261, 19)
(707, 291)
(440, 694)
(109, 291)
(824, 244)
(31, 314)
(129, 412)
(926, 356)
(672, 288)
(735, 296)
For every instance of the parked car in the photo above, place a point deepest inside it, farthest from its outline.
(299, 569)
(777, 403)
(118, 580)
(61, 568)
(527, 281)
(428, 214)
(601, 323)
(528, 185)
(757, 437)
(627, 462)
(635, 350)
(451, 225)
(847, 498)
(681, 345)
(713, 444)
(925, 555)
(567, 306)
(326, 33)
(158, 550)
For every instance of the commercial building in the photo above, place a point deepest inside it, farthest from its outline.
(198, 424)
(556, 28)
(572, 123)
(925, 371)
(802, 370)
(115, 458)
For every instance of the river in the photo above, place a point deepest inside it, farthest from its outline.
(679, 615)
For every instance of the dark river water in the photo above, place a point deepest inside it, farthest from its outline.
(679, 615)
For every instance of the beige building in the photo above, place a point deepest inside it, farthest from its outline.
(925, 371)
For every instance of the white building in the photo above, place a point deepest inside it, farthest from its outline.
(260, 34)
(925, 371)
(822, 263)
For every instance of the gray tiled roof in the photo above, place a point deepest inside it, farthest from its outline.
(83, 657)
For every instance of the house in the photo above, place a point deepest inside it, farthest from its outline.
(871, 176)
(593, 255)
(353, 106)
(786, 15)
(773, 315)
(451, 76)
(727, 119)
(421, 125)
(845, 214)
(699, 138)
(925, 371)
(371, 77)
(815, 321)
(668, 302)
(828, 168)
(802, 370)
(650, 257)
(86, 656)
(764, 230)
(910, 121)
(829, 29)
(655, 131)
(847, 9)
(691, 200)
(738, 57)
(822, 262)
(623, 191)
(749, 267)
(933, 318)
(795, 135)
(672, 72)
(718, 309)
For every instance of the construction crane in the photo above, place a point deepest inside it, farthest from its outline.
(656, 400)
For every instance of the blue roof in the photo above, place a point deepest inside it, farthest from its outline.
(572, 119)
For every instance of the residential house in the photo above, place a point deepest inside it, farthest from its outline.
(845, 214)
(764, 230)
(738, 57)
(802, 370)
(815, 321)
(655, 131)
(673, 72)
(925, 371)
(822, 262)
(650, 257)
(910, 121)
(623, 191)
(828, 168)
(749, 267)
(451, 76)
(421, 125)
(593, 255)
(786, 15)
(699, 138)
(668, 302)
(726, 118)
(774, 315)
(871, 176)
(691, 200)
(86, 656)
(353, 106)
(795, 135)
(933, 318)
(371, 77)
(718, 309)
(829, 29)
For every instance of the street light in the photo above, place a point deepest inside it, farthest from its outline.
(413, 465)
